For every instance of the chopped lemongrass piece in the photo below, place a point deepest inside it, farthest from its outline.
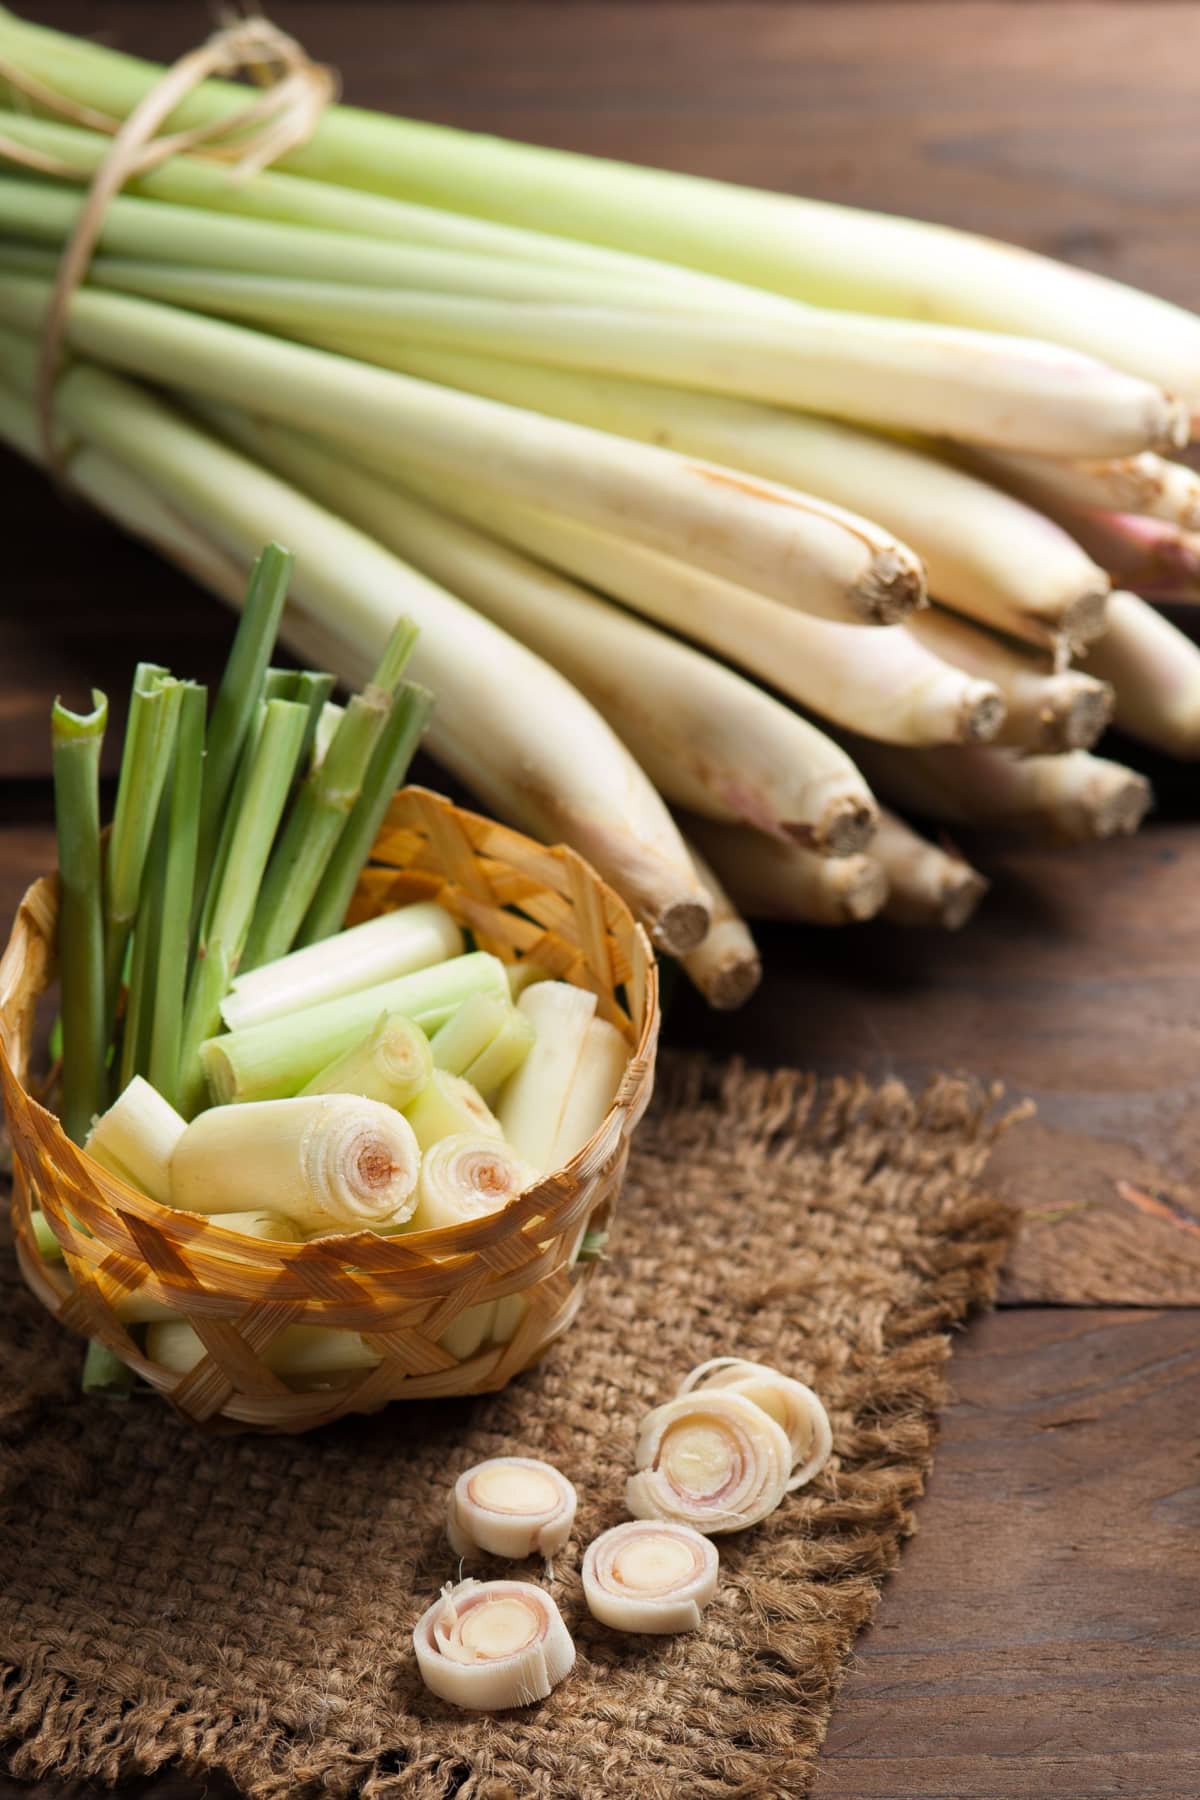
(532, 1105)
(145, 760)
(449, 1106)
(237, 697)
(277, 1056)
(792, 1405)
(393, 1063)
(468, 1176)
(330, 718)
(503, 1056)
(48, 1246)
(713, 1460)
(650, 1576)
(299, 1350)
(489, 1645)
(928, 884)
(319, 813)
(602, 1063)
(326, 1161)
(76, 739)
(396, 943)
(510, 1313)
(465, 1036)
(467, 1335)
(511, 1506)
(137, 1137)
(104, 1373)
(386, 771)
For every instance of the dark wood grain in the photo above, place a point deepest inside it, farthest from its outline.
(1040, 1636)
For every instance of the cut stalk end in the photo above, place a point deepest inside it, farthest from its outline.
(846, 826)
(892, 587)
(983, 713)
(863, 888)
(1084, 620)
(1175, 426)
(680, 926)
(1076, 719)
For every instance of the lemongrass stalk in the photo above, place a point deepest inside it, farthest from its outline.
(75, 746)
(105, 1374)
(276, 1057)
(1046, 709)
(986, 553)
(237, 694)
(467, 1176)
(137, 1137)
(325, 1160)
(784, 545)
(393, 1063)
(1155, 673)
(1072, 798)
(832, 254)
(490, 1645)
(769, 879)
(510, 1314)
(511, 1506)
(145, 759)
(326, 797)
(928, 884)
(331, 716)
(886, 683)
(1147, 554)
(298, 1350)
(714, 1461)
(1133, 484)
(465, 1036)
(450, 1106)
(48, 1246)
(313, 688)
(170, 961)
(170, 251)
(706, 737)
(726, 967)
(534, 1102)
(980, 387)
(650, 1576)
(229, 912)
(504, 1055)
(468, 1334)
(531, 748)
(603, 1059)
(396, 943)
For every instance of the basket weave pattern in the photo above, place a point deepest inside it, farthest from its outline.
(519, 899)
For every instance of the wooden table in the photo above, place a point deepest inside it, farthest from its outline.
(1040, 1637)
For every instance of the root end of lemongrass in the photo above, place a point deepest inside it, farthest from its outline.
(1175, 425)
(983, 713)
(681, 926)
(846, 827)
(892, 588)
(1081, 720)
(732, 982)
(960, 898)
(1084, 620)
(864, 895)
(1120, 812)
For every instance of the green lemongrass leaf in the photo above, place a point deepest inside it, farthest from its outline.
(137, 1024)
(396, 657)
(238, 694)
(76, 739)
(170, 962)
(313, 688)
(388, 767)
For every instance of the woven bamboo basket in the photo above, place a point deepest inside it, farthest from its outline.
(519, 899)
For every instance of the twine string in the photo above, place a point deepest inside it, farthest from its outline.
(295, 93)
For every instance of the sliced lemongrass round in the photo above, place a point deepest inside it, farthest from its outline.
(649, 1576)
(487, 1645)
(792, 1405)
(466, 1177)
(511, 1506)
(713, 1460)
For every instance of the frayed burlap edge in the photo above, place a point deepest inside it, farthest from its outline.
(51, 1728)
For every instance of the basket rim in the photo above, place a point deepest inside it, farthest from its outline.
(448, 1250)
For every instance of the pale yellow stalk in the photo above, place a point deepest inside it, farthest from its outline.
(726, 967)
(770, 879)
(1155, 672)
(928, 884)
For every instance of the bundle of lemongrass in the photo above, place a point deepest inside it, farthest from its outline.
(661, 469)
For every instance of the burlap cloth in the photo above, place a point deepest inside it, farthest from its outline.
(245, 1604)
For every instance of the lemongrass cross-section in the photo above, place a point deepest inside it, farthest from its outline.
(712, 1459)
(651, 1576)
(512, 1506)
(791, 1404)
(488, 1645)
(467, 1176)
